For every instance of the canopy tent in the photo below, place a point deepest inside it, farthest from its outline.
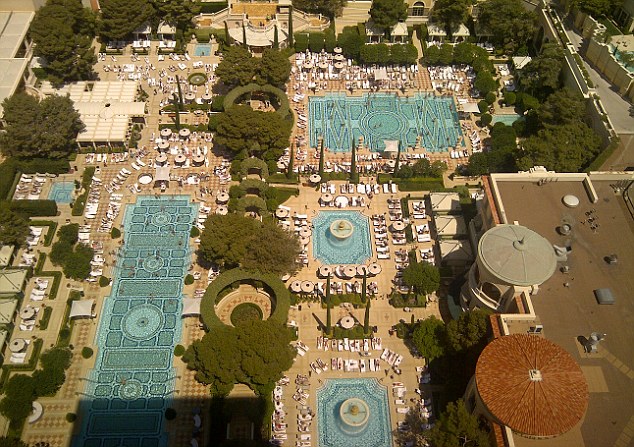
(391, 145)
(520, 62)
(470, 107)
(380, 74)
(191, 306)
(162, 174)
(12, 281)
(7, 310)
(456, 252)
(82, 308)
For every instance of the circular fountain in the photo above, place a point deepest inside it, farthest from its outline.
(353, 415)
(341, 229)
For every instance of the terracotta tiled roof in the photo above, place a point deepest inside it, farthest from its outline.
(548, 404)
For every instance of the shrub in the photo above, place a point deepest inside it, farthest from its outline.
(301, 42)
(282, 106)
(179, 350)
(490, 98)
(87, 352)
(316, 42)
(34, 208)
(218, 103)
(170, 414)
(115, 233)
(245, 312)
(486, 119)
(509, 98)
(195, 232)
(104, 281)
(483, 106)
(71, 417)
(189, 279)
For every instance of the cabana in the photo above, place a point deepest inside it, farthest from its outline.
(82, 309)
(162, 177)
(456, 252)
(191, 307)
(12, 281)
(165, 31)
(8, 307)
(391, 148)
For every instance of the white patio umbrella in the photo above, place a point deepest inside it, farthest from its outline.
(347, 322)
(166, 132)
(222, 197)
(296, 286)
(180, 159)
(281, 213)
(27, 313)
(374, 268)
(164, 145)
(350, 271)
(314, 178)
(17, 345)
(326, 197)
(398, 225)
(338, 50)
(325, 270)
(305, 232)
(184, 132)
(307, 286)
(222, 210)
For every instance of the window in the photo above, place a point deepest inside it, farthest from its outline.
(418, 10)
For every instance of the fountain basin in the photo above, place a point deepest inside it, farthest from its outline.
(341, 228)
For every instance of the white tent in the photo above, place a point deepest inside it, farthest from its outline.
(82, 308)
(162, 174)
(191, 306)
(391, 145)
(380, 74)
(470, 107)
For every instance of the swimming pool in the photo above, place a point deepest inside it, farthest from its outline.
(62, 192)
(329, 249)
(506, 119)
(340, 119)
(331, 400)
(202, 49)
(131, 384)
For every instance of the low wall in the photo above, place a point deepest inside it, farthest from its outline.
(600, 55)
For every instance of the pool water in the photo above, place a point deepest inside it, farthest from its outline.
(340, 119)
(202, 49)
(506, 119)
(132, 382)
(62, 192)
(333, 433)
(356, 249)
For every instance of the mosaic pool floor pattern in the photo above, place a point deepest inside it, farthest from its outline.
(133, 379)
(62, 192)
(357, 249)
(341, 119)
(377, 432)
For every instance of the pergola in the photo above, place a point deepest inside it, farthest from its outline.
(82, 309)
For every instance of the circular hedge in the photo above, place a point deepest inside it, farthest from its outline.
(86, 352)
(282, 108)
(197, 78)
(245, 312)
(251, 203)
(249, 185)
(280, 297)
(254, 163)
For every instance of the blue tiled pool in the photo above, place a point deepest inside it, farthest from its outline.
(506, 119)
(356, 249)
(62, 192)
(375, 432)
(130, 387)
(378, 117)
(202, 49)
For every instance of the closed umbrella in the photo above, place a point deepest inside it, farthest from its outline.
(315, 178)
(325, 270)
(296, 286)
(166, 132)
(307, 286)
(374, 268)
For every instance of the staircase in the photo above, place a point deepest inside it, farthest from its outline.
(353, 13)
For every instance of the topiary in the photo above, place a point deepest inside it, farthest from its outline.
(86, 352)
(179, 350)
(195, 232)
(486, 119)
(115, 233)
(71, 417)
(189, 279)
(170, 414)
(104, 281)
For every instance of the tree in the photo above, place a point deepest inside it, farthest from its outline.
(508, 22)
(429, 338)
(321, 158)
(468, 331)
(12, 442)
(562, 107)
(366, 317)
(77, 266)
(276, 38)
(354, 175)
(542, 75)
(397, 164)
(597, 8)
(14, 229)
(291, 163)
(68, 233)
(63, 32)
(423, 277)
(424, 168)
(235, 240)
(450, 13)
(119, 18)
(484, 82)
(244, 37)
(242, 129)
(351, 42)
(331, 8)
(274, 68)
(256, 353)
(328, 307)
(387, 13)
(237, 67)
(627, 58)
(39, 129)
(457, 427)
(227, 35)
(19, 394)
(290, 26)
(177, 12)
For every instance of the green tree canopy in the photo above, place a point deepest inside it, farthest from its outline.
(256, 353)
(331, 8)
(12, 442)
(387, 13)
(562, 107)
(19, 394)
(450, 13)
(468, 331)
(423, 277)
(598, 8)
(242, 129)
(235, 240)
(119, 18)
(542, 75)
(177, 12)
(63, 31)
(485, 83)
(508, 22)
(14, 228)
(274, 68)
(237, 67)
(457, 427)
(39, 129)
(74, 258)
(429, 338)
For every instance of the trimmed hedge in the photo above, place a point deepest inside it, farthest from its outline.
(249, 202)
(283, 106)
(28, 366)
(46, 317)
(34, 208)
(414, 183)
(212, 7)
(8, 176)
(249, 184)
(283, 179)
(55, 274)
(254, 163)
(280, 297)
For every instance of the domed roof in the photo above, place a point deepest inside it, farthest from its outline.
(517, 255)
(531, 385)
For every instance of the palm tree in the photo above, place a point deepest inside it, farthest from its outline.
(366, 318)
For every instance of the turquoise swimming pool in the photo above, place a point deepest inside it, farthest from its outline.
(202, 49)
(368, 425)
(355, 249)
(506, 119)
(131, 385)
(340, 119)
(62, 192)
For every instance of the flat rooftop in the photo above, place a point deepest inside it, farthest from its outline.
(566, 305)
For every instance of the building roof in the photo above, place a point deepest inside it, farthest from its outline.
(8, 306)
(11, 281)
(448, 225)
(258, 37)
(13, 29)
(454, 251)
(6, 251)
(520, 62)
(445, 201)
(531, 385)
(517, 255)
